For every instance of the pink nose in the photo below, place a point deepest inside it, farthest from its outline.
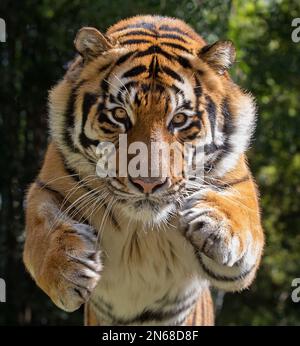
(148, 185)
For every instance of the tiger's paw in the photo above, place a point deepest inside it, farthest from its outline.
(72, 265)
(211, 234)
(227, 255)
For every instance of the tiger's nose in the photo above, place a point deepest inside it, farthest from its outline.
(148, 185)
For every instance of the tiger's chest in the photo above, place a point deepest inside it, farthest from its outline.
(149, 277)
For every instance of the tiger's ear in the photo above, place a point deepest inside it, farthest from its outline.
(90, 43)
(219, 55)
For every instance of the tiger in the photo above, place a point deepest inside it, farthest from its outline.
(140, 249)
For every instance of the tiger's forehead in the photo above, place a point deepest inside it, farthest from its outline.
(147, 89)
(152, 55)
(163, 51)
(167, 32)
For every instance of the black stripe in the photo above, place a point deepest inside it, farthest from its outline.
(71, 211)
(104, 84)
(199, 114)
(43, 185)
(135, 71)
(173, 36)
(72, 173)
(211, 148)
(125, 90)
(81, 261)
(228, 130)
(146, 315)
(139, 33)
(177, 90)
(126, 122)
(150, 315)
(192, 137)
(112, 98)
(107, 131)
(195, 123)
(172, 73)
(225, 278)
(197, 88)
(78, 292)
(238, 181)
(198, 93)
(124, 58)
(228, 184)
(173, 29)
(88, 101)
(164, 301)
(175, 45)
(104, 67)
(228, 121)
(186, 104)
(160, 88)
(104, 311)
(211, 111)
(141, 25)
(69, 120)
(180, 322)
(155, 50)
(145, 88)
(135, 41)
(82, 275)
(137, 100)
(167, 103)
(104, 118)
(184, 62)
(103, 307)
(153, 68)
(86, 141)
(103, 302)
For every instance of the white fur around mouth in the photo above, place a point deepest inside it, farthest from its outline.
(148, 211)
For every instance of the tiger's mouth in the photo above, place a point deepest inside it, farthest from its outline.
(149, 208)
(149, 211)
(145, 203)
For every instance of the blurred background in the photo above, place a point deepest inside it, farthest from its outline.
(39, 45)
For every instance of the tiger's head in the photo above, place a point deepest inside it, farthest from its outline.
(154, 80)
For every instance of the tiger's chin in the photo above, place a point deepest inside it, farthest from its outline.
(148, 211)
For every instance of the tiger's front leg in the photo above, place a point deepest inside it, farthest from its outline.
(60, 253)
(224, 228)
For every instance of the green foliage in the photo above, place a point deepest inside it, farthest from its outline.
(40, 36)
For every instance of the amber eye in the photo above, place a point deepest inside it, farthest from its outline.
(119, 113)
(179, 119)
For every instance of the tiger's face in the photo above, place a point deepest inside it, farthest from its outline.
(150, 80)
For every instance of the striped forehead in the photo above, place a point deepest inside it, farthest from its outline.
(128, 83)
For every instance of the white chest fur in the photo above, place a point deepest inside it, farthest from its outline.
(145, 270)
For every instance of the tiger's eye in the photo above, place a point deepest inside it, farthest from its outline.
(119, 113)
(179, 119)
